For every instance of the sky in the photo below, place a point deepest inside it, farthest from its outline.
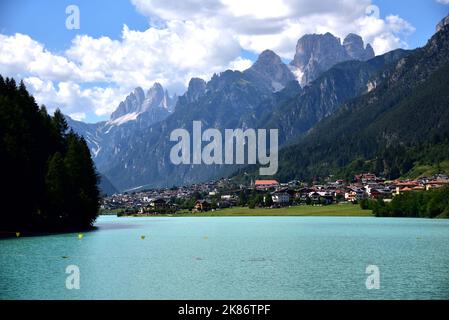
(118, 45)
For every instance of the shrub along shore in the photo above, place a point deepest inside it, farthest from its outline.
(416, 204)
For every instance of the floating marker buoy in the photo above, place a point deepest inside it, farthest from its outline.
(206, 238)
(17, 234)
(80, 236)
(142, 237)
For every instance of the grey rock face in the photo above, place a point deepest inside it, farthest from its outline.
(134, 150)
(231, 99)
(158, 98)
(325, 96)
(442, 24)
(136, 113)
(196, 89)
(155, 98)
(270, 70)
(316, 54)
(355, 48)
(132, 103)
(138, 103)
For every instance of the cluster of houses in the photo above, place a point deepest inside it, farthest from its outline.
(165, 200)
(224, 193)
(364, 186)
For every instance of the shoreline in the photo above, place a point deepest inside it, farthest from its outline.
(336, 210)
(30, 234)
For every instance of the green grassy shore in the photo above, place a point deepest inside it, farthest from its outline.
(337, 210)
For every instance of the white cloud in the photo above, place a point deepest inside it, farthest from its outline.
(79, 116)
(385, 35)
(72, 99)
(278, 24)
(19, 54)
(170, 56)
(443, 1)
(240, 64)
(190, 38)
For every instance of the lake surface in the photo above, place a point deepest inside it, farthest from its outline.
(233, 258)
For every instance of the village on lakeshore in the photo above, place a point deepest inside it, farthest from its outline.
(225, 193)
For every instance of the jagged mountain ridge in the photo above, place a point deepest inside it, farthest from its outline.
(325, 95)
(137, 103)
(270, 71)
(317, 53)
(134, 151)
(136, 112)
(390, 130)
(229, 100)
(236, 100)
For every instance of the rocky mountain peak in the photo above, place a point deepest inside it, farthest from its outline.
(353, 39)
(355, 48)
(369, 50)
(157, 97)
(156, 91)
(269, 56)
(197, 88)
(442, 24)
(131, 104)
(317, 53)
(270, 69)
(137, 103)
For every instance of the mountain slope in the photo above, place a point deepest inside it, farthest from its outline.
(133, 150)
(137, 103)
(269, 70)
(106, 187)
(138, 111)
(230, 100)
(241, 100)
(389, 130)
(325, 95)
(317, 53)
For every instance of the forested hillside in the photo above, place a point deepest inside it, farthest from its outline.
(399, 126)
(49, 182)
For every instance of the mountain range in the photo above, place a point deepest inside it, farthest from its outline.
(317, 53)
(325, 79)
(399, 128)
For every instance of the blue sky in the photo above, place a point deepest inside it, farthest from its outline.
(45, 22)
(106, 18)
(195, 28)
(422, 14)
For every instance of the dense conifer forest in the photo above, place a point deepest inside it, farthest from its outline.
(48, 179)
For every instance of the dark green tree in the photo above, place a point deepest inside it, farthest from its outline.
(37, 154)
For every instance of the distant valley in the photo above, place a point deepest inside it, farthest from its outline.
(327, 83)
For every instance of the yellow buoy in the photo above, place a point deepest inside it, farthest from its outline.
(142, 237)
(17, 234)
(206, 238)
(80, 236)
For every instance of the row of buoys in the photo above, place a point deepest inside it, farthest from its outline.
(81, 236)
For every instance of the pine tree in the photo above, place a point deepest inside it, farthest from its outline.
(49, 181)
(84, 180)
(56, 188)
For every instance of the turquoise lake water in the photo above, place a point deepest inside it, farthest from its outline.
(233, 258)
